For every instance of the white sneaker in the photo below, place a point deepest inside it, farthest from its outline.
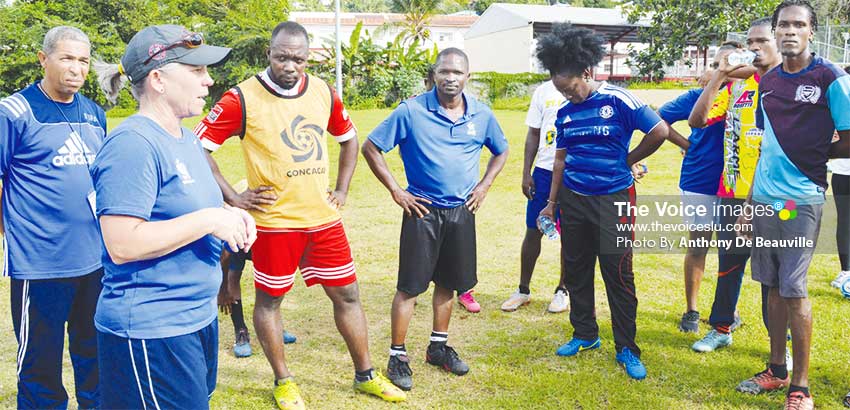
(559, 302)
(515, 301)
(840, 279)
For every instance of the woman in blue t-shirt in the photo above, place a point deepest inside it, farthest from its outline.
(163, 221)
(593, 181)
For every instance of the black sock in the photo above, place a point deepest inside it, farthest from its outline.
(792, 388)
(365, 375)
(524, 290)
(236, 316)
(397, 350)
(779, 370)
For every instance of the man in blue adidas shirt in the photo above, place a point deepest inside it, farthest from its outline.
(440, 135)
(803, 102)
(595, 128)
(49, 135)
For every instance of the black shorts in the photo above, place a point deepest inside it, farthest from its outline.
(438, 247)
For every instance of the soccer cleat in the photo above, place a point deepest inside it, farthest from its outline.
(712, 341)
(736, 322)
(575, 346)
(381, 387)
(560, 302)
(468, 302)
(690, 322)
(288, 338)
(516, 301)
(399, 372)
(446, 357)
(799, 401)
(287, 395)
(242, 347)
(840, 279)
(763, 382)
(634, 367)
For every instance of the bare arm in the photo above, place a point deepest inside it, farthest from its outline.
(841, 148)
(251, 199)
(532, 141)
(699, 114)
(494, 166)
(411, 204)
(347, 163)
(650, 143)
(678, 139)
(130, 239)
(557, 180)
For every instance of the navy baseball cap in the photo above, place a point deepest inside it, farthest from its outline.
(156, 46)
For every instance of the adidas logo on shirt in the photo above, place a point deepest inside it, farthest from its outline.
(74, 152)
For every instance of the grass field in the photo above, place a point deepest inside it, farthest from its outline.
(511, 354)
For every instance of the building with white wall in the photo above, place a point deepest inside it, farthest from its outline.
(446, 30)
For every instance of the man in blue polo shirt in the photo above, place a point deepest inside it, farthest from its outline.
(440, 135)
(803, 102)
(49, 135)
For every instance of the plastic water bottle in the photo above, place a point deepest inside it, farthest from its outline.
(744, 57)
(547, 226)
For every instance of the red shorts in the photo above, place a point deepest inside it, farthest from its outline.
(323, 256)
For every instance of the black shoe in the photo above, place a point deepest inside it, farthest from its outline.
(398, 371)
(690, 322)
(444, 356)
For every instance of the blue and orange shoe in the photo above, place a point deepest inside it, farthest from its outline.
(634, 367)
(576, 346)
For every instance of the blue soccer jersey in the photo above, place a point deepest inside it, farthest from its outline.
(799, 113)
(144, 172)
(45, 151)
(596, 135)
(703, 163)
(441, 158)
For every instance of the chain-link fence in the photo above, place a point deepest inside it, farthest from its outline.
(831, 41)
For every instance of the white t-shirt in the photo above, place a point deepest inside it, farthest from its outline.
(840, 166)
(542, 114)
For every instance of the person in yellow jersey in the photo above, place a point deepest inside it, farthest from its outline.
(280, 116)
(735, 103)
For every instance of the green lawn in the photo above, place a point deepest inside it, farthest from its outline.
(512, 354)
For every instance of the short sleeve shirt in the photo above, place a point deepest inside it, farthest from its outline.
(596, 134)
(703, 163)
(441, 158)
(144, 172)
(800, 113)
(45, 151)
(542, 114)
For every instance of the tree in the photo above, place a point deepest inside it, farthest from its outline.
(675, 24)
(417, 17)
(244, 25)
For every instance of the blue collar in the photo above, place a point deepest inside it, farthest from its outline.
(433, 103)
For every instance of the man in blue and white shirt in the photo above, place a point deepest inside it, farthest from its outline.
(49, 134)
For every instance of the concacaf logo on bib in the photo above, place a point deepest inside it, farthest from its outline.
(606, 112)
(808, 93)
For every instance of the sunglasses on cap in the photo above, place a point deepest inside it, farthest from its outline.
(191, 40)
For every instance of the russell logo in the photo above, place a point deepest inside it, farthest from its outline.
(787, 210)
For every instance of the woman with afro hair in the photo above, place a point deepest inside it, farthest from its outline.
(594, 172)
